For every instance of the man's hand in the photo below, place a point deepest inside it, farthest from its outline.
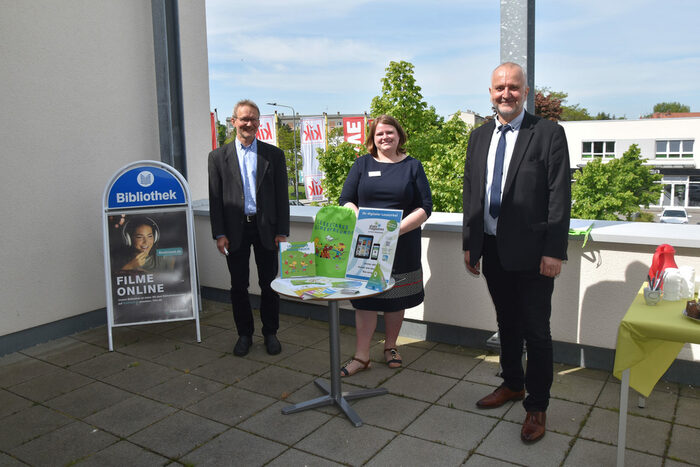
(278, 239)
(473, 269)
(222, 245)
(550, 267)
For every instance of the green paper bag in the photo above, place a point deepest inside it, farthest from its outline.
(332, 238)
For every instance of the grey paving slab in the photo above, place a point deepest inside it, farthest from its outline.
(188, 332)
(275, 382)
(643, 434)
(296, 457)
(50, 385)
(141, 375)
(465, 394)
(587, 453)
(103, 365)
(685, 444)
(184, 390)
(12, 358)
(222, 319)
(486, 372)
(311, 361)
(64, 352)
(28, 424)
(503, 442)
(228, 369)
(187, 357)
(231, 405)
(340, 441)
(419, 385)
(661, 403)
(221, 342)
(562, 416)
(88, 399)
(688, 390)
(459, 350)
(11, 403)
(23, 369)
(405, 450)
(163, 327)
(673, 463)
(64, 445)
(347, 344)
(576, 388)
(151, 347)
(270, 423)
(234, 448)
(388, 411)
(123, 454)
(451, 427)
(302, 335)
(130, 415)
(477, 460)
(177, 434)
(7, 461)
(125, 336)
(688, 412)
(444, 363)
(561, 369)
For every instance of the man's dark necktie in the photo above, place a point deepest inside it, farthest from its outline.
(495, 199)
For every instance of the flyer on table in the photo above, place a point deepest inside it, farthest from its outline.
(374, 244)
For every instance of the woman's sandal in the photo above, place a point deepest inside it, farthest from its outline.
(364, 365)
(395, 359)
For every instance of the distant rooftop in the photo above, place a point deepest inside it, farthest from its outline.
(675, 114)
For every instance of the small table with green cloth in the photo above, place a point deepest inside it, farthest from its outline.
(648, 341)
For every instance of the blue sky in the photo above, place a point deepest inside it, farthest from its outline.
(615, 56)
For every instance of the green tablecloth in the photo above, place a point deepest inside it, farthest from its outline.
(649, 340)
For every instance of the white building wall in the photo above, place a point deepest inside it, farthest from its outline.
(78, 102)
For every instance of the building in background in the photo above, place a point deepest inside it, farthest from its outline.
(667, 144)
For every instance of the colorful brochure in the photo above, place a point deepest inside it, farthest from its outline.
(297, 259)
(374, 246)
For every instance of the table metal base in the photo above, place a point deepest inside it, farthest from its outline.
(334, 394)
(341, 400)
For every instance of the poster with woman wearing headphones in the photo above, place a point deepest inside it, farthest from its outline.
(150, 267)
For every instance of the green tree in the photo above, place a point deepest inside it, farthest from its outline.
(445, 170)
(335, 163)
(220, 133)
(402, 99)
(671, 107)
(285, 141)
(549, 106)
(614, 189)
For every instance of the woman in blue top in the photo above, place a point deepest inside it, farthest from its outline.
(388, 178)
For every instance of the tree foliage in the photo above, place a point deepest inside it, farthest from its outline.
(548, 106)
(671, 107)
(335, 163)
(441, 146)
(614, 189)
(402, 99)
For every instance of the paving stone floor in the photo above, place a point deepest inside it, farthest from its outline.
(161, 398)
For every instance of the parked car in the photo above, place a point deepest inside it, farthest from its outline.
(674, 216)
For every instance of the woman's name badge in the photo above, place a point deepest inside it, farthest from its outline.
(374, 173)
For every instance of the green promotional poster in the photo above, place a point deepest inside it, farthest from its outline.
(332, 237)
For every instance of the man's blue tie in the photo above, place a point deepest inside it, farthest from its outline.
(495, 199)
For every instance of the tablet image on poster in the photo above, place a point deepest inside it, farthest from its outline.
(149, 263)
(374, 245)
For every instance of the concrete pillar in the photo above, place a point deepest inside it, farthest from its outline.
(518, 40)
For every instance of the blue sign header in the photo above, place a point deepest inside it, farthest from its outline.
(145, 186)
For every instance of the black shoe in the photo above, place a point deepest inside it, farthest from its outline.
(242, 346)
(272, 344)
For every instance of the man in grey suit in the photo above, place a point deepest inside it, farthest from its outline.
(249, 205)
(517, 202)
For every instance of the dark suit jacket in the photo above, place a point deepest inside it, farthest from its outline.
(536, 200)
(226, 200)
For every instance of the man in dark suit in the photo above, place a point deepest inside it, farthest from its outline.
(517, 201)
(249, 205)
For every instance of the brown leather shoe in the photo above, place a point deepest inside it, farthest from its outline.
(499, 397)
(533, 427)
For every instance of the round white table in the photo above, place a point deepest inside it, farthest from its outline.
(334, 394)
